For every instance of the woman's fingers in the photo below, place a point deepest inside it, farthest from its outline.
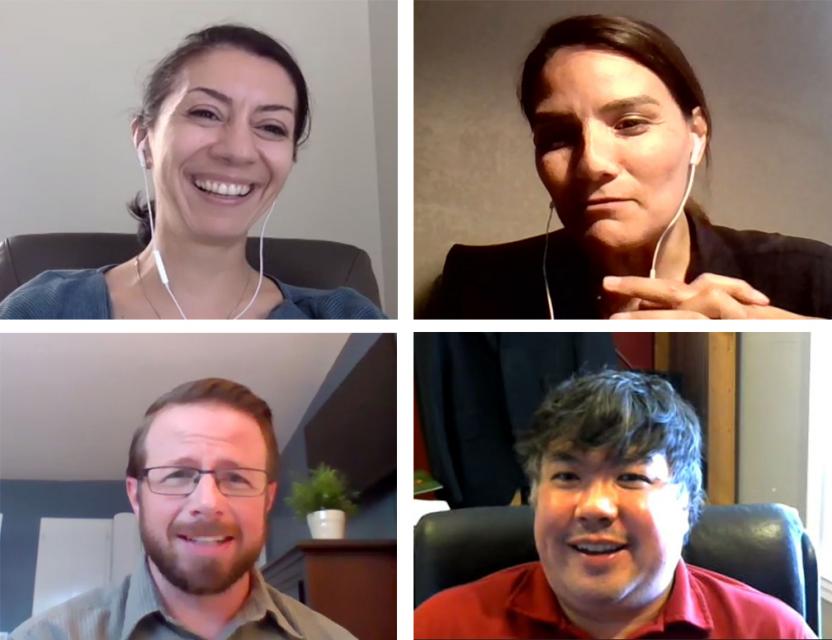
(716, 303)
(659, 314)
(751, 311)
(717, 296)
(711, 303)
(738, 289)
(668, 293)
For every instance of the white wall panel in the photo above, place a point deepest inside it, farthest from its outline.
(73, 557)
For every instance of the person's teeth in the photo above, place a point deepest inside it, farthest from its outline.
(222, 188)
(207, 539)
(598, 548)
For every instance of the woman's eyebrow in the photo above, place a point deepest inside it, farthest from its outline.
(227, 100)
(628, 103)
(549, 118)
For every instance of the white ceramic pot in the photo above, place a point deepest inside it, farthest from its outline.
(328, 524)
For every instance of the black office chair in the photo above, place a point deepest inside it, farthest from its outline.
(762, 545)
(320, 264)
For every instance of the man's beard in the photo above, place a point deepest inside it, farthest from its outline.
(204, 576)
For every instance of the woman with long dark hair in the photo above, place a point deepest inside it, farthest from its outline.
(222, 119)
(620, 124)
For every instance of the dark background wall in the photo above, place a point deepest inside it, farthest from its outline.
(376, 517)
(23, 503)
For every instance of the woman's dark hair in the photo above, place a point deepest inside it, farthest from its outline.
(638, 40)
(162, 82)
(630, 416)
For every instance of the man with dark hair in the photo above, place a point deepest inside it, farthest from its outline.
(613, 460)
(201, 479)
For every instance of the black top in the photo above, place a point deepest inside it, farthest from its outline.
(506, 280)
(477, 393)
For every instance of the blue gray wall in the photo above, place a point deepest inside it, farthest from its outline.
(376, 517)
(23, 503)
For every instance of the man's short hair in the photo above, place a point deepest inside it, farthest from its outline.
(631, 415)
(207, 391)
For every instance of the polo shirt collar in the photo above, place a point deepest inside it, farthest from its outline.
(686, 603)
(533, 598)
(143, 599)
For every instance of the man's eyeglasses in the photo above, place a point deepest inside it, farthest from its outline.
(181, 481)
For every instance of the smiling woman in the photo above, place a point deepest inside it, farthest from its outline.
(620, 124)
(222, 119)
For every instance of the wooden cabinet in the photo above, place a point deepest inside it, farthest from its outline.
(352, 582)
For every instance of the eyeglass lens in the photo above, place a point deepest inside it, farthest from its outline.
(183, 480)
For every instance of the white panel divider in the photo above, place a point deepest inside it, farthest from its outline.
(73, 557)
(79, 554)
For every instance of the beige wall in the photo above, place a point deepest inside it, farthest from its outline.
(764, 67)
(773, 418)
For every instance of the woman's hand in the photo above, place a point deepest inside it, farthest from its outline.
(709, 296)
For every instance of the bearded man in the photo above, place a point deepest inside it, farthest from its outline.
(201, 478)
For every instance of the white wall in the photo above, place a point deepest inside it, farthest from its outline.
(772, 418)
(84, 394)
(765, 69)
(384, 49)
(72, 72)
(773, 429)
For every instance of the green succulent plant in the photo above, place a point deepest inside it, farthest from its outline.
(326, 488)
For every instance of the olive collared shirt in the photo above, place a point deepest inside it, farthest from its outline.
(134, 611)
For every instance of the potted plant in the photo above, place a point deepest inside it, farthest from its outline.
(323, 499)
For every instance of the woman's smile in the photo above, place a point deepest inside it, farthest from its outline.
(225, 192)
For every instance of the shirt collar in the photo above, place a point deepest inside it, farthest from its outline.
(532, 597)
(261, 601)
(143, 600)
(686, 603)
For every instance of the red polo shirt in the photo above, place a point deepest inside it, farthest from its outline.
(519, 603)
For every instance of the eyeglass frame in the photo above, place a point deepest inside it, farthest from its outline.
(206, 472)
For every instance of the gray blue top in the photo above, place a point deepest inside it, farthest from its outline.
(134, 610)
(81, 294)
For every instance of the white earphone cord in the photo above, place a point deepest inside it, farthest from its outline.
(681, 208)
(160, 265)
(545, 253)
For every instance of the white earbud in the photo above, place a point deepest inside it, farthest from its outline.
(140, 154)
(696, 151)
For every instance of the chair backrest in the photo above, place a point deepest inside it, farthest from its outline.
(320, 264)
(762, 545)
